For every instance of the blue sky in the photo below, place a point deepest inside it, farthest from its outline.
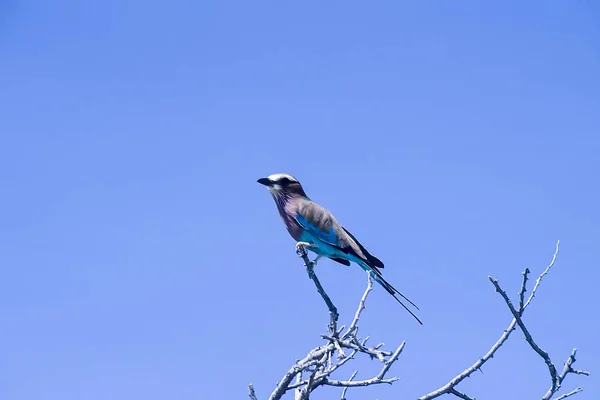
(140, 258)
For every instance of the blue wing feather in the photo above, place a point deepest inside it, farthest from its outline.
(328, 237)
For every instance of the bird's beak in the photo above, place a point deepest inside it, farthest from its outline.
(265, 181)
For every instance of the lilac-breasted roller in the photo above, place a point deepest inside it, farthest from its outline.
(316, 228)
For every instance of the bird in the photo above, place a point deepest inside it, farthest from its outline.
(315, 228)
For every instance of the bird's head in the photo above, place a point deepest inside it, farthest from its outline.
(282, 184)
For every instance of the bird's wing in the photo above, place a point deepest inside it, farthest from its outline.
(318, 221)
(321, 223)
(341, 261)
(371, 259)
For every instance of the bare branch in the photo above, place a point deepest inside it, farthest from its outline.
(311, 359)
(298, 392)
(346, 387)
(366, 382)
(539, 279)
(339, 349)
(319, 363)
(449, 388)
(251, 392)
(476, 366)
(571, 393)
(522, 291)
(387, 364)
(374, 352)
(313, 382)
(333, 312)
(361, 307)
(528, 338)
(460, 394)
(567, 369)
(556, 380)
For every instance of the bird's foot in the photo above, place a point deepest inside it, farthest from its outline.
(301, 248)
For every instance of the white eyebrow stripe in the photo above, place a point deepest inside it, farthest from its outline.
(278, 177)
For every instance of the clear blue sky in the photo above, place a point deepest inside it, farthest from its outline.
(140, 259)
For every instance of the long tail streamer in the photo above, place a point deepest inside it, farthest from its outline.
(393, 291)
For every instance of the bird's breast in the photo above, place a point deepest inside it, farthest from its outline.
(287, 212)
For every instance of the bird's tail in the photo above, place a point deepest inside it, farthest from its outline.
(375, 274)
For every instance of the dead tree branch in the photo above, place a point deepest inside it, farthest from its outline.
(321, 362)
(556, 379)
(251, 392)
(342, 345)
(528, 338)
(333, 312)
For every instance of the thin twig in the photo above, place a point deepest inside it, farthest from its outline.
(387, 364)
(567, 369)
(571, 393)
(333, 312)
(298, 392)
(522, 291)
(311, 359)
(539, 279)
(312, 381)
(361, 307)
(346, 388)
(366, 382)
(528, 338)
(319, 363)
(460, 394)
(251, 392)
(476, 366)
(505, 335)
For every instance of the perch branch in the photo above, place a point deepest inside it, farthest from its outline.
(319, 364)
(333, 312)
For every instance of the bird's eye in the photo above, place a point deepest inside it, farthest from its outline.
(284, 181)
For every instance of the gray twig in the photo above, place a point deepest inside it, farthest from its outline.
(528, 338)
(361, 307)
(460, 394)
(556, 379)
(251, 392)
(539, 279)
(366, 382)
(333, 312)
(447, 388)
(571, 393)
(387, 364)
(319, 364)
(523, 290)
(567, 369)
(311, 359)
(450, 387)
(346, 387)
